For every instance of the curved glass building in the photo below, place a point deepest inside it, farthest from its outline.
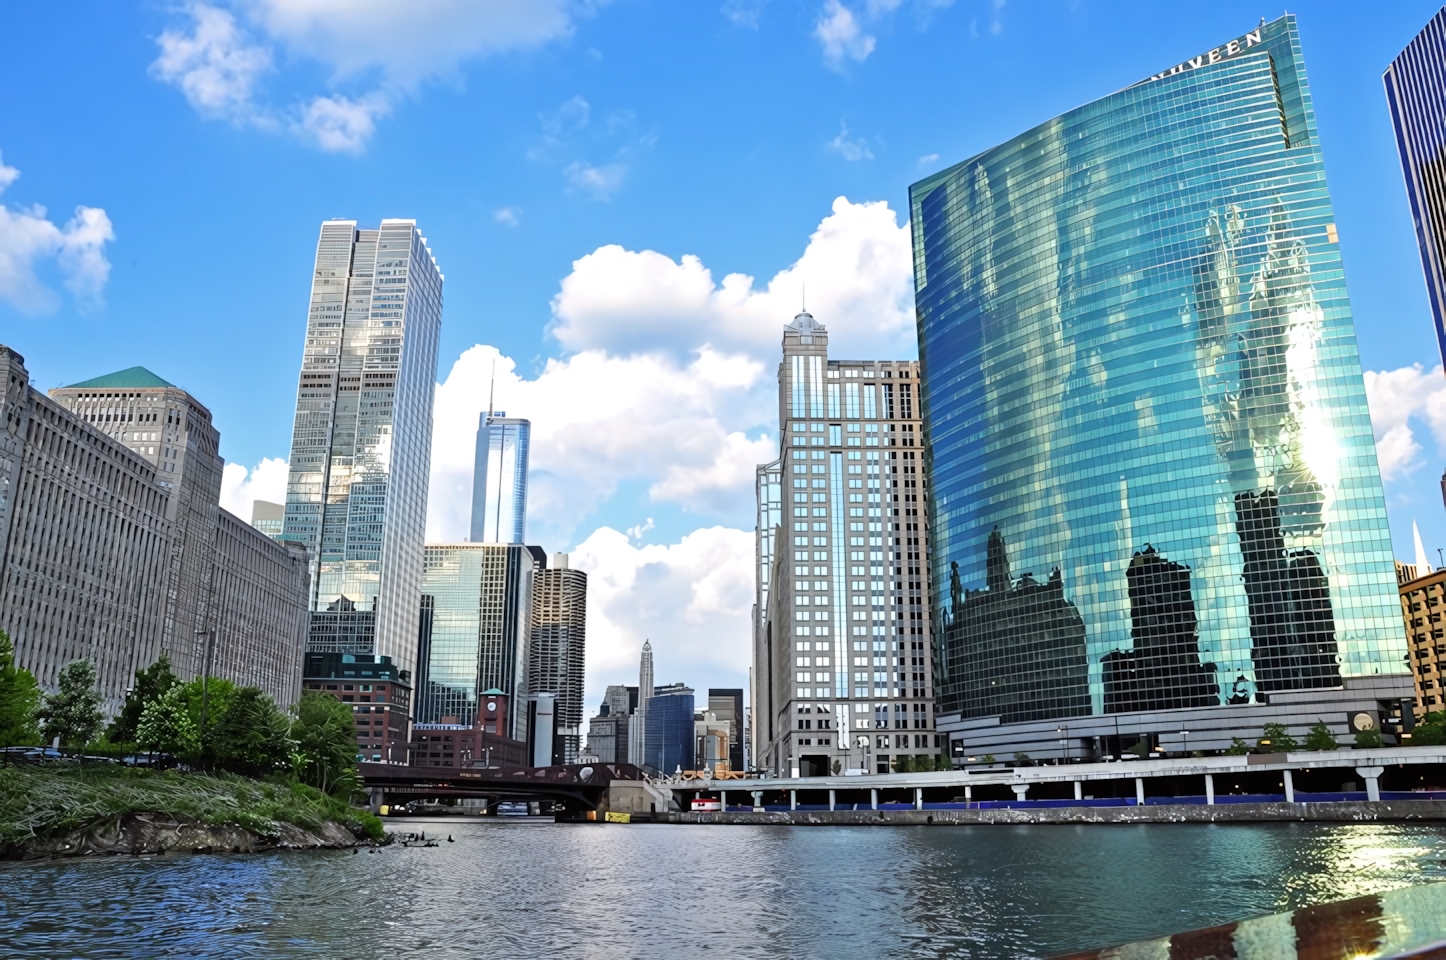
(1157, 515)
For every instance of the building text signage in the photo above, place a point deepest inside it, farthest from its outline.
(1225, 52)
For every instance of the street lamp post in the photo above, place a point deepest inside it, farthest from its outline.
(1185, 742)
(210, 636)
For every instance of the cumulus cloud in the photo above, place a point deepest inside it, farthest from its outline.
(600, 183)
(857, 265)
(215, 64)
(241, 487)
(1397, 398)
(383, 50)
(507, 216)
(850, 149)
(744, 13)
(841, 36)
(28, 238)
(692, 599)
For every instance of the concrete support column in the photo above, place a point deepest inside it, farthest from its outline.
(1289, 788)
(918, 798)
(1210, 789)
(832, 799)
(376, 797)
(757, 801)
(1020, 789)
(1372, 776)
(968, 793)
(793, 799)
(723, 797)
(1078, 791)
(1140, 791)
(874, 798)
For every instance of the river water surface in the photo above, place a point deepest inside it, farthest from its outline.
(535, 889)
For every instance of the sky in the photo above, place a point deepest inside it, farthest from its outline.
(627, 199)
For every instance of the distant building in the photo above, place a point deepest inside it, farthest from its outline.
(556, 655)
(607, 733)
(378, 695)
(1423, 602)
(669, 732)
(474, 628)
(727, 706)
(362, 437)
(499, 480)
(712, 741)
(268, 517)
(637, 724)
(480, 744)
(1418, 114)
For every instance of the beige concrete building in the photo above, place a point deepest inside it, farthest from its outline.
(1423, 600)
(85, 541)
(842, 665)
(556, 651)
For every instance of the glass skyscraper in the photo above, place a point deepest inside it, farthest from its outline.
(1416, 91)
(1156, 509)
(362, 440)
(499, 479)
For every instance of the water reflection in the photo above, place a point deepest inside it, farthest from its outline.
(544, 890)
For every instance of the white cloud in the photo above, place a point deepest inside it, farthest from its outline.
(927, 159)
(215, 65)
(856, 149)
(857, 265)
(744, 13)
(241, 487)
(1396, 398)
(691, 598)
(598, 182)
(385, 49)
(507, 216)
(28, 237)
(841, 36)
(341, 125)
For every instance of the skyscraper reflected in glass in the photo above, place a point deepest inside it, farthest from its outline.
(499, 479)
(1156, 504)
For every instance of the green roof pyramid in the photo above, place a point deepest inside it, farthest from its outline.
(130, 378)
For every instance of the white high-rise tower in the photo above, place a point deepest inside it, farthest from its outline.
(362, 440)
(499, 479)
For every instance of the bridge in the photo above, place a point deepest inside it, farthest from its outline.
(578, 787)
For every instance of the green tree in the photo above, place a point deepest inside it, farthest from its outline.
(72, 713)
(987, 758)
(1023, 760)
(166, 726)
(1277, 740)
(1320, 737)
(904, 763)
(1238, 747)
(1368, 739)
(1431, 731)
(150, 684)
(325, 737)
(19, 696)
(250, 735)
(942, 762)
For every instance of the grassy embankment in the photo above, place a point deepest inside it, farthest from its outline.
(41, 802)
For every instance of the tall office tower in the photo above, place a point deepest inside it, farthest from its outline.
(1156, 501)
(841, 658)
(171, 429)
(727, 705)
(669, 744)
(361, 445)
(269, 518)
(556, 653)
(499, 479)
(1418, 112)
(234, 599)
(475, 629)
(637, 723)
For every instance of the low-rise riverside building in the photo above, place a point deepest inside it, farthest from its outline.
(378, 693)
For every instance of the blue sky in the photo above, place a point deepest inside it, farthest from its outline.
(529, 137)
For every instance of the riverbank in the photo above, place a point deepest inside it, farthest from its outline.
(66, 809)
(1362, 811)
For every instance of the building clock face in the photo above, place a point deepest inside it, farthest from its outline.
(1363, 721)
(491, 706)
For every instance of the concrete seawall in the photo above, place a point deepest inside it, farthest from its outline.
(1363, 811)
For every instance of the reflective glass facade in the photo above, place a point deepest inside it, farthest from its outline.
(499, 480)
(362, 439)
(1153, 480)
(1416, 91)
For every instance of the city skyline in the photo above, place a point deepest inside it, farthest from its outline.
(568, 292)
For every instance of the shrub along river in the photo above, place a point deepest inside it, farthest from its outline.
(535, 889)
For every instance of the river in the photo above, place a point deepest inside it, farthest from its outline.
(535, 889)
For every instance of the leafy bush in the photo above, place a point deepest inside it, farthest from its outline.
(72, 713)
(19, 696)
(150, 685)
(250, 736)
(1320, 737)
(1277, 740)
(1238, 747)
(324, 738)
(166, 726)
(1368, 739)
